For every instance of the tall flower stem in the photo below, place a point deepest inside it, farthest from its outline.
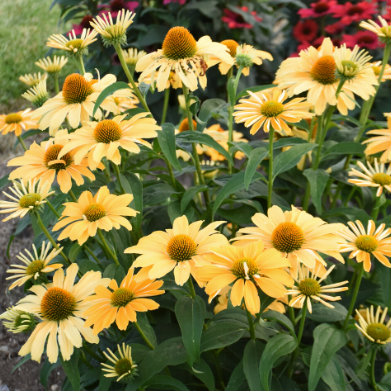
(165, 104)
(191, 287)
(373, 361)
(194, 146)
(56, 86)
(130, 77)
(52, 208)
(376, 209)
(51, 240)
(22, 143)
(116, 170)
(72, 194)
(106, 247)
(80, 64)
(270, 179)
(355, 293)
(143, 336)
(91, 253)
(250, 324)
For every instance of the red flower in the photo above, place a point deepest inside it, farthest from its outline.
(350, 13)
(306, 31)
(318, 9)
(117, 5)
(364, 39)
(235, 20)
(335, 28)
(84, 24)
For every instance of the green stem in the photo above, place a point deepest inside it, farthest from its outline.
(92, 353)
(250, 324)
(91, 253)
(270, 179)
(130, 77)
(116, 170)
(376, 209)
(80, 64)
(106, 247)
(291, 312)
(218, 369)
(72, 194)
(373, 361)
(22, 143)
(52, 208)
(51, 240)
(56, 86)
(84, 360)
(191, 287)
(143, 336)
(355, 293)
(165, 104)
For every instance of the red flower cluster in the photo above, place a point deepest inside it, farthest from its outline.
(235, 20)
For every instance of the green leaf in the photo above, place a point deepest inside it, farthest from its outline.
(345, 148)
(288, 159)
(165, 382)
(254, 89)
(4, 180)
(279, 346)
(235, 184)
(189, 194)
(157, 193)
(71, 369)
(251, 359)
(255, 159)
(104, 382)
(207, 109)
(241, 146)
(318, 182)
(333, 375)
(170, 285)
(200, 138)
(219, 335)
(384, 274)
(169, 352)
(202, 371)
(190, 315)
(166, 139)
(322, 314)
(137, 203)
(288, 142)
(46, 370)
(21, 362)
(146, 327)
(237, 378)
(119, 85)
(86, 265)
(74, 251)
(327, 341)
(29, 133)
(280, 318)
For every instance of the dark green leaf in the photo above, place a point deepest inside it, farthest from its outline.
(241, 146)
(254, 89)
(207, 109)
(327, 341)
(255, 159)
(288, 159)
(46, 370)
(74, 251)
(318, 182)
(104, 382)
(219, 335)
(4, 180)
(279, 346)
(333, 375)
(189, 194)
(280, 318)
(251, 359)
(170, 285)
(288, 142)
(71, 369)
(237, 378)
(158, 193)
(190, 315)
(166, 139)
(21, 362)
(146, 327)
(137, 203)
(119, 85)
(165, 382)
(86, 265)
(202, 371)
(384, 274)
(322, 314)
(345, 148)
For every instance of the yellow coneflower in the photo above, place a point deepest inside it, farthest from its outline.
(34, 265)
(267, 109)
(247, 267)
(72, 44)
(132, 55)
(113, 33)
(60, 305)
(297, 235)
(38, 94)
(125, 99)
(17, 321)
(178, 249)
(362, 244)
(43, 162)
(121, 303)
(374, 176)
(383, 31)
(76, 102)
(377, 66)
(32, 79)
(123, 367)
(18, 122)
(381, 142)
(374, 326)
(25, 199)
(308, 286)
(96, 140)
(185, 56)
(104, 211)
(50, 66)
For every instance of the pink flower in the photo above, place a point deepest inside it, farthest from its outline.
(350, 13)
(117, 5)
(364, 39)
(318, 9)
(335, 28)
(306, 31)
(84, 24)
(235, 20)
(181, 2)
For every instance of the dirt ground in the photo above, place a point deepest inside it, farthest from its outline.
(25, 378)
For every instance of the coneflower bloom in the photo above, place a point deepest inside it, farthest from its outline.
(380, 143)
(185, 56)
(52, 66)
(308, 286)
(96, 140)
(34, 265)
(60, 306)
(32, 79)
(132, 55)
(178, 249)
(17, 321)
(372, 176)
(38, 94)
(17, 122)
(383, 31)
(43, 162)
(267, 109)
(104, 211)
(25, 199)
(362, 244)
(246, 267)
(120, 304)
(377, 66)
(122, 365)
(374, 326)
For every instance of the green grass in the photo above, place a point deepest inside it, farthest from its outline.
(24, 28)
